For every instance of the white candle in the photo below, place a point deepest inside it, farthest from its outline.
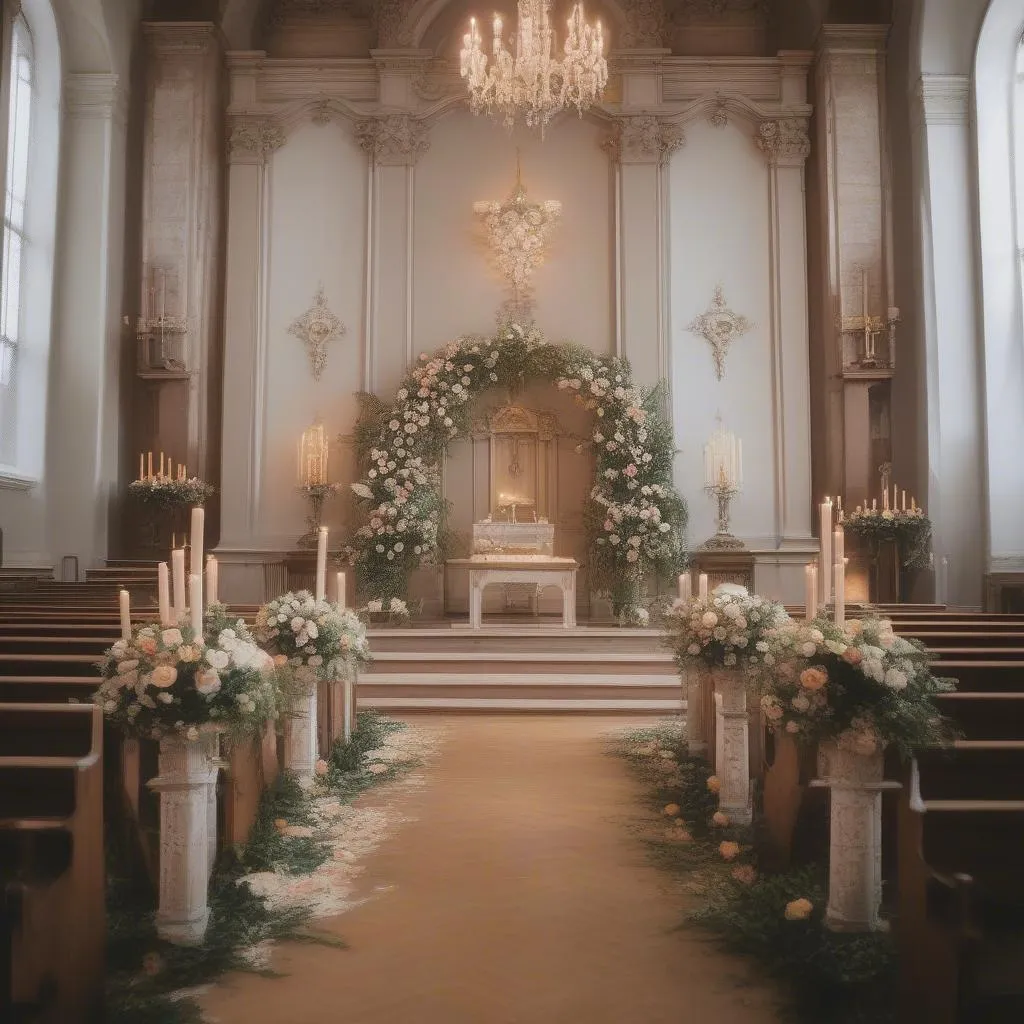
(321, 564)
(811, 591)
(838, 547)
(840, 609)
(211, 580)
(340, 589)
(195, 586)
(685, 587)
(904, 500)
(826, 550)
(163, 589)
(178, 578)
(196, 540)
(702, 586)
(123, 600)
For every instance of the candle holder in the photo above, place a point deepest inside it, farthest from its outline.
(723, 492)
(316, 495)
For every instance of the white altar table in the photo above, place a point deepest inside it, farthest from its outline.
(544, 571)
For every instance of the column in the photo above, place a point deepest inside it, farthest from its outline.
(640, 146)
(182, 213)
(86, 354)
(786, 146)
(394, 144)
(952, 364)
(732, 750)
(252, 140)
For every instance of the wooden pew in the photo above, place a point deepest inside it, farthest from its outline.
(51, 861)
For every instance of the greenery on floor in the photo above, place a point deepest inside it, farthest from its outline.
(148, 980)
(775, 919)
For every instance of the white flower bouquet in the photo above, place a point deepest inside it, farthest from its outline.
(860, 684)
(315, 640)
(394, 610)
(166, 680)
(728, 629)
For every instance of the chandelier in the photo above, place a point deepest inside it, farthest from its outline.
(532, 82)
(518, 231)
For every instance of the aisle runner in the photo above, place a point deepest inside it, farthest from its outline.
(353, 831)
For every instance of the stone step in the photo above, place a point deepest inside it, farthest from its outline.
(523, 704)
(522, 665)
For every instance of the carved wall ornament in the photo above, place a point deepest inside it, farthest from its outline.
(394, 139)
(718, 326)
(323, 112)
(254, 138)
(719, 117)
(643, 138)
(784, 139)
(315, 328)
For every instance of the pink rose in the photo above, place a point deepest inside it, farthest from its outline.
(729, 850)
(744, 874)
(813, 678)
(852, 656)
(630, 470)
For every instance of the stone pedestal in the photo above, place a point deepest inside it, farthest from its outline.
(725, 565)
(732, 751)
(188, 776)
(300, 737)
(348, 713)
(696, 718)
(855, 836)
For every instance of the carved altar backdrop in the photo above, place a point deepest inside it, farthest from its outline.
(361, 176)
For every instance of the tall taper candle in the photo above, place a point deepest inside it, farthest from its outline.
(702, 586)
(123, 600)
(211, 580)
(195, 586)
(163, 590)
(149, 465)
(685, 587)
(142, 465)
(811, 591)
(826, 551)
(838, 546)
(196, 540)
(178, 579)
(340, 589)
(321, 564)
(840, 609)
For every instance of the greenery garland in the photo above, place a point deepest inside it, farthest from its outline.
(635, 518)
(775, 919)
(909, 529)
(148, 979)
(165, 493)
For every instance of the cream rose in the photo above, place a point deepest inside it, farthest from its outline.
(207, 681)
(163, 676)
(813, 678)
(171, 637)
(729, 850)
(799, 910)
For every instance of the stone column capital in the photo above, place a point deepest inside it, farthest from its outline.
(643, 139)
(95, 95)
(252, 138)
(181, 38)
(394, 139)
(945, 99)
(784, 140)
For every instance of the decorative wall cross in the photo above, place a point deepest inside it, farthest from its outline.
(315, 328)
(718, 326)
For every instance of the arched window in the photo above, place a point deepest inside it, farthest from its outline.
(15, 238)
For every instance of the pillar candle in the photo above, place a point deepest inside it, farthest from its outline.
(161, 465)
(840, 610)
(178, 578)
(811, 591)
(340, 598)
(885, 500)
(196, 539)
(321, 564)
(123, 600)
(702, 586)
(826, 550)
(170, 468)
(163, 590)
(142, 466)
(685, 587)
(149, 465)
(903, 501)
(838, 547)
(211, 580)
(195, 587)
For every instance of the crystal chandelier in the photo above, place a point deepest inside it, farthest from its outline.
(533, 82)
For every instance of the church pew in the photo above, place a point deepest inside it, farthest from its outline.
(51, 863)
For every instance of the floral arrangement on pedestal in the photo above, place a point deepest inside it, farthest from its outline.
(394, 610)
(909, 529)
(167, 681)
(728, 629)
(315, 640)
(858, 684)
(171, 494)
(635, 517)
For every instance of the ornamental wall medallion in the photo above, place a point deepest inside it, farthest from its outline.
(718, 326)
(315, 328)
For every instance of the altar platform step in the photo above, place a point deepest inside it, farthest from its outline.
(515, 669)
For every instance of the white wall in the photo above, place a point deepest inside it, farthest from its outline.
(456, 288)
(317, 234)
(719, 234)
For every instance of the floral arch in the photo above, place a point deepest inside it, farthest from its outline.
(635, 518)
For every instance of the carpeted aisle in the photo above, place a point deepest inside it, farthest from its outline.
(518, 894)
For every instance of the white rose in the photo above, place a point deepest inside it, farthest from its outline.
(207, 681)
(217, 659)
(709, 620)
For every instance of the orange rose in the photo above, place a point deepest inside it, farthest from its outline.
(729, 850)
(813, 678)
(852, 656)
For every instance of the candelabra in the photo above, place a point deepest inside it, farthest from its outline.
(316, 495)
(723, 480)
(723, 492)
(313, 450)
